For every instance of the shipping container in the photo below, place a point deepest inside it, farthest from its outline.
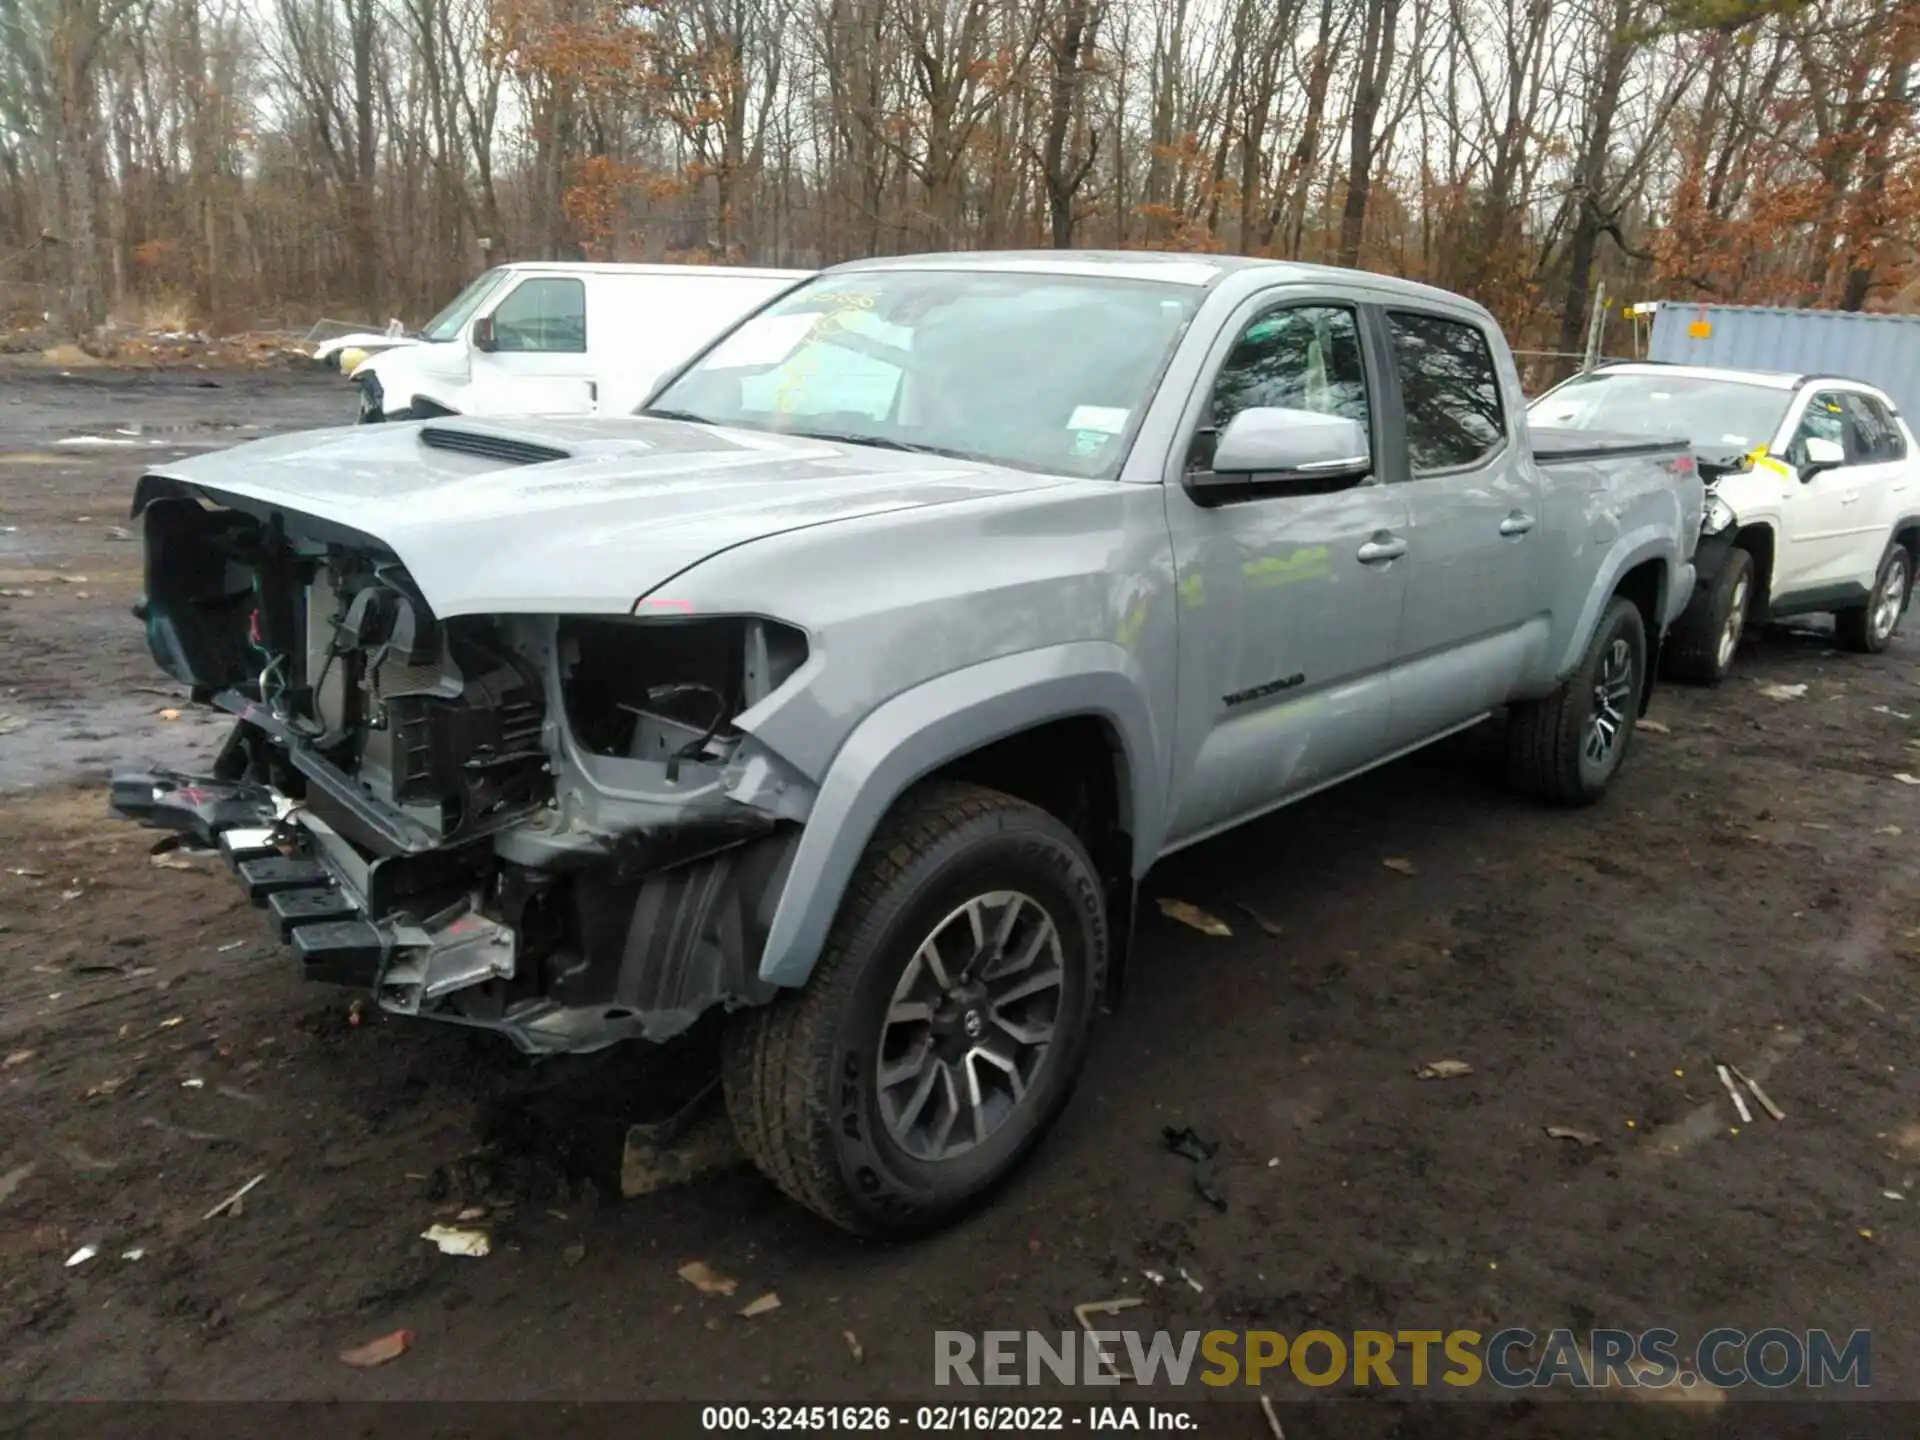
(1882, 350)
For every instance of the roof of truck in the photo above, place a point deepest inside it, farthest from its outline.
(1165, 266)
(610, 267)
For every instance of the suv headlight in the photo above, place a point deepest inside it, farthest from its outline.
(1718, 516)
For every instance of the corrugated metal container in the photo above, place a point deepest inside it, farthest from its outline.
(1882, 350)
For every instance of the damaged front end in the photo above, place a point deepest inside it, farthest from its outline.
(548, 826)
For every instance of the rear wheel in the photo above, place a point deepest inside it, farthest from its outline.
(943, 1029)
(1869, 628)
(1568, 747)
(1707, 636)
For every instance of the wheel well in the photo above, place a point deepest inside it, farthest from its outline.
(1757, 541)
(1076, 770)
(1642, 586)
(1908, 535)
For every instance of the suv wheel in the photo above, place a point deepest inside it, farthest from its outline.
(1868, 628)
(943, 1029)
(1707, 635)
(1568, 747)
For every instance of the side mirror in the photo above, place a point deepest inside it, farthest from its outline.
(483, 334)
(1822, 454)
(1292, 444)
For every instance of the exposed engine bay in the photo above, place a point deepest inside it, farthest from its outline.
(548, 826)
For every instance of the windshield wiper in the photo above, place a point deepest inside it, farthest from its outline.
(669, 414)
(879, 442)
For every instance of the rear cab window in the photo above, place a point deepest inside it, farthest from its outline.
(1875, 436)
(1450, 390)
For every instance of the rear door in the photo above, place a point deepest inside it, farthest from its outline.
(1289, 598)
(1475, 592)
(1886, 475)
(539, 363)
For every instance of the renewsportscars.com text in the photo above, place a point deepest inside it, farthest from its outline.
(1512, 1359)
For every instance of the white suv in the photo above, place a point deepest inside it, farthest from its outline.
(1813, 501)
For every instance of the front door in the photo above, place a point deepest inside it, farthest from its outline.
(1475, 593)
(1289, 600)
(538, 364)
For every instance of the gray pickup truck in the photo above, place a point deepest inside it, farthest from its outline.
(851, 689)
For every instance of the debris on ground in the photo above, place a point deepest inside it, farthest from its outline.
(704, 1278)
(1196, 917)
(688, 1145)
(1739, 1100)
(1085, 1313)
(1889, 830)
(1906, 779)
(1273, 1420)
(765, 1305)
(181, 858)
(82, 1255)
(1272, 927)
(1783, 692)
(11, 723)
(573, 1254)
(137, 1253)
(1443, 1070)
(1753, 1087)
(14, 1179)
(17, 1058)
(1188, 1144)
(378, 1352)
(1891, 1195)
(853, 1346)
(26, 874)
(168, 714)
(1155, 1276)
(1583, 1137)
(453, 1240)
(231, 1205)
(1889, 710)
(1654, 727)
(1400, 866)
(1198, 1288)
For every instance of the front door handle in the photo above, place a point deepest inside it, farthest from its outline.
(1384, 546)
(1518, 523)
(1851, 497)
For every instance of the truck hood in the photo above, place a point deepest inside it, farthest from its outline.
(565, 516)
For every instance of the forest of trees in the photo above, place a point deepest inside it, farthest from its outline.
(242, 162)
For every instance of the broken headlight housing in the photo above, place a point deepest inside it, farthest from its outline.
(1718, 517)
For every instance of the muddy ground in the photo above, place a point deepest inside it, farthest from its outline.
(1748, 893)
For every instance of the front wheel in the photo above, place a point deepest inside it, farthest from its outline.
(1568, 747)
(943, 1029)
(1707, 635)
(1868, 629)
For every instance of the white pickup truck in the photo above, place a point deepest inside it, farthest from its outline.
(1813, 501)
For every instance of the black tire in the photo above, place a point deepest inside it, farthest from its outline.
(801, 1075)
(1701, 647)
(1548, 740)
(1868, 629)
(370, 411)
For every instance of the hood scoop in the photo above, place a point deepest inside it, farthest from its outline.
(490, 445)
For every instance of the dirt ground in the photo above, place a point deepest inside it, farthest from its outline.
(1747, 894)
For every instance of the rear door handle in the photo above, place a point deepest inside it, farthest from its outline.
(1384, 546)
(1518, 523)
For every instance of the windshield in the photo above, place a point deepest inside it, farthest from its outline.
(448, 324)
(1717, 415)
(1037, 371)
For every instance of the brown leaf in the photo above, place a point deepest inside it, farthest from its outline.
(1193, 915)
(708, 1281)
(853, 1345)
(1584, 1137)
(1443, 1070)
(378, 1352)
(1404, 867)
(764, 1305)
(1654, 727)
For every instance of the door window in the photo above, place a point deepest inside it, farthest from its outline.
(1304, 357)
(544, 316)
(1876, 435)
(1451, 391)
(1824, 419)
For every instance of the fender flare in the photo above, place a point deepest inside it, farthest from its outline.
(916, 732)
(1631, 549)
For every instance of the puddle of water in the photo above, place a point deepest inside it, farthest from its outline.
(81, 740)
